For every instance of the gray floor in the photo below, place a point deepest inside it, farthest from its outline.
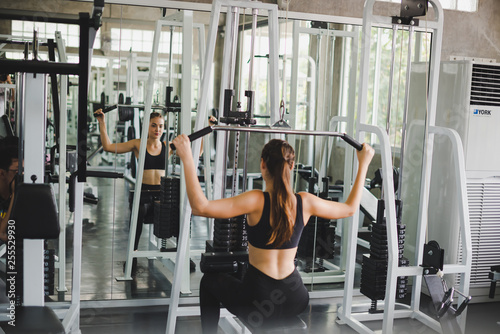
(105, 238)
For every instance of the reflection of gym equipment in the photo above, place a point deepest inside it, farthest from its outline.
(353, 316)
(316, 248)
(167, 258)
(167, 209)
(323, 78)
(230, 235)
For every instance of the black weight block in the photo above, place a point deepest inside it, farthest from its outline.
(372, 294)
(375, 273)
(222, 262)
(222, 244)
(379, 264)
(223, 237)
(228, 226)
(379, 227)
(373, 280)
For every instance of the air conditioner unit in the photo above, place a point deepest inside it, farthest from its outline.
(469, 102)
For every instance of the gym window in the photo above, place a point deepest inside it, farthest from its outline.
(70, 32)
(378, 90)
(137, 40)
(462, 5)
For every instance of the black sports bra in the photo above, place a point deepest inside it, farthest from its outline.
(258, 235)
(155, 161)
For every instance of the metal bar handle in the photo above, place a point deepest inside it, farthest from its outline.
(200, 133)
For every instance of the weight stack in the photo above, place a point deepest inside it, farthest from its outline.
(167, 209)
(48, 271)
(374, 266)
(230, 235)
(318, 236)
(318, 240)
(228, 251)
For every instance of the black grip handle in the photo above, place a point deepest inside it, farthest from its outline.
(108, 175)
(351, 141)
(196, 135)
(109, 108)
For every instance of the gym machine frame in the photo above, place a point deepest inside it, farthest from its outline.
(34, 161)
(334, 276)
(345, 312)
(187, 47)
(183, 240)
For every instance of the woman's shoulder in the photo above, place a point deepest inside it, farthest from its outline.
(254, 193)
(136, 143)
(306, 197)
(252, 198)
(303, 194)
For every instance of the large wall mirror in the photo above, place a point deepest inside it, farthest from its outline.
(318, 86)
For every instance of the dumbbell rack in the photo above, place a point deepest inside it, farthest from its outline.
(354, 315)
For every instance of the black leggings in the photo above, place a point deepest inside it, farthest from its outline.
(149, 193)
(258, 299)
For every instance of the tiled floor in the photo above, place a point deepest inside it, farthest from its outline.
(105, 238)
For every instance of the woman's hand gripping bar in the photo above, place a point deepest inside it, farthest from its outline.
(351, 141)
(196, 135)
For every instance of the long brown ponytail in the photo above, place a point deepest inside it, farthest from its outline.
(279, 156)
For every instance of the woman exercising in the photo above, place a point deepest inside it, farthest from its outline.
(272, 287)
(154, 163)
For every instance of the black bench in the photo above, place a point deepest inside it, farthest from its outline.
(289, 325)
(34, 319)
(39, 197)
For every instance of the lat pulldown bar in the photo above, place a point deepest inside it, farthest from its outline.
(200, 133)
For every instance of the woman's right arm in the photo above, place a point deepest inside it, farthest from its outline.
(107, 145)
(246, 203)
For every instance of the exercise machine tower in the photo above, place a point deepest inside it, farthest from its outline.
(346, 313)
(31, 129)
(187, 25)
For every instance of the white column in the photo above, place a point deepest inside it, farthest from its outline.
(35, 112)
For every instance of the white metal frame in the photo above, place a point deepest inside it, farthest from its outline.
(349, 120)
(297, 30)
(183, 240)
(34, 124)
(34, 114)
(345, 313)
(63, 82)
(169, 259)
